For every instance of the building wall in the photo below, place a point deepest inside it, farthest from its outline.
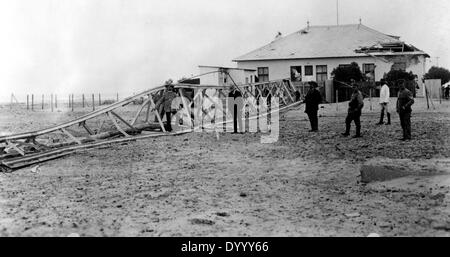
(241, 76)
(280, 69)
(219, 78)
(209, 79)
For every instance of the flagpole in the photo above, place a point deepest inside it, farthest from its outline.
(337, 12)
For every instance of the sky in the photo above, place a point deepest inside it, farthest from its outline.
(126, 46)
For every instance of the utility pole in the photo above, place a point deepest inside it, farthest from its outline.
(337, 12)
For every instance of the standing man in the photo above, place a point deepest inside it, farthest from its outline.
(354, 112)
(404, 102)
(312, 101)
(235, 105)
(166, 101)
(384, 101)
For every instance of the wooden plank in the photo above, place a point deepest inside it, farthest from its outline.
(260, 92)
(87, 128)
(157, 114)
(37, 145)
(122, 120)
(216, 105)
(39, 160)
(222, 93)
(15, 147)
(287, 91)
(277, 93)
(147, 115)
(71, 136)
(100, 127)
(140, 110)
(198, 115)
(16, 163)
(116, 124)
(185, 107)
(291, 85)
(249, 92)
(198, 106)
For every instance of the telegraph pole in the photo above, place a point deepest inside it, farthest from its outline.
(337, 12)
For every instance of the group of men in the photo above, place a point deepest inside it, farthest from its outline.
(404, 101)
(165, 107)
(312, 100)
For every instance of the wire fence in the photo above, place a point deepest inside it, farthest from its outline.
(71, 102)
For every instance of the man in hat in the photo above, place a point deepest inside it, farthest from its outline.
(354, 112)
(312, 101)
(384, 102)
(166, 101)
(235, 105)
(404, 101)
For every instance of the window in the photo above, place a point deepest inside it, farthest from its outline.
(399, 66)
(296, 73)
(321, 73)
(369, 71)
(308, 70)
(263, 74)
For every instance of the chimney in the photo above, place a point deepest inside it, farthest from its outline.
(279, 35)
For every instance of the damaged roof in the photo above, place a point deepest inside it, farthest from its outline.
(355, 40)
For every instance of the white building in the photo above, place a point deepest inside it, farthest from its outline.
(218, 76)
(312, 54)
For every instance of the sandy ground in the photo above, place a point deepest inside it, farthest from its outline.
(306, 184)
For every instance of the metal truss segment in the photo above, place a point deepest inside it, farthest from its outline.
(22, 149)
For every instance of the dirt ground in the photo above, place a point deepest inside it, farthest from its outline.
(306, 184)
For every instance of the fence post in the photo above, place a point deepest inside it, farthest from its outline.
(83, 100)
(370, 97)
(337, 99)
(72, 103)
(28, 107)
(51, 102)
(430, 95)
(93, 102)
(99, 99)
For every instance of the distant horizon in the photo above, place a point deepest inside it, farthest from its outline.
(87, 46)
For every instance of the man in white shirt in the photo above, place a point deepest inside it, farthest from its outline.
(384, 101)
